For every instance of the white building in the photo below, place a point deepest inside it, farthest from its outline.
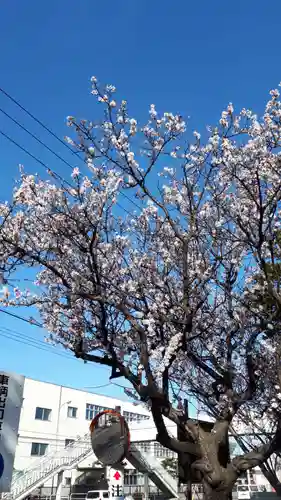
(54, 416)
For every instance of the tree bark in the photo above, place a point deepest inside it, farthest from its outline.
(217, 479)
(210, 494)
(216, 495)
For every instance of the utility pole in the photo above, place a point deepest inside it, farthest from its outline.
(184, 466)
(146, 487)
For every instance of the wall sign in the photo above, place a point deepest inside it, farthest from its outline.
(11, 397)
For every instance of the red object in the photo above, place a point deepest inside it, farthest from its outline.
(112, 412)
(117, 475)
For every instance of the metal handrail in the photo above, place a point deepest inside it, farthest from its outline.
(152, 465)
(55, 460)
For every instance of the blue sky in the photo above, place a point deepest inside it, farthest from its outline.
(187, 57)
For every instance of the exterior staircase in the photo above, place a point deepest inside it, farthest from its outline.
(48, 466)
(57, 461)
(147, 464)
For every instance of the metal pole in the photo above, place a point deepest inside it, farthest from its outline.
(146, 488)
(56, 435)
(184, 466)
(58, 418)
(230, 494)
(188, 492)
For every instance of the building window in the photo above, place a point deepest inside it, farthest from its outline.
(68, 481)
(130, 478)
(71, 412)
(38, 449)
(43, 413)
(93, 410)
(134, 417)
(69, 442)
(162, 452)
(143, 446)
(90, 411)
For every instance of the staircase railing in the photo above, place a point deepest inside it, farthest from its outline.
(50, 464)
(154, 467)
(47, 465)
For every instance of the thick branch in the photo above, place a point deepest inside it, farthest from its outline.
(164, 438)
(260, 455)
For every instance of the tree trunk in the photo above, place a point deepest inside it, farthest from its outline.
(216, 495)
(210, 494)
(217, 479)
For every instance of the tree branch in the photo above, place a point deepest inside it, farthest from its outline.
(260, 455)
(164, 438)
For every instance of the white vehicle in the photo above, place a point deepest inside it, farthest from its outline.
(97, 495)
(245, 491)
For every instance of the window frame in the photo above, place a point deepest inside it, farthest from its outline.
(69, 443)
(43, 413)
(39, 445)
(72, 408)
(131, 416)
(92, 410)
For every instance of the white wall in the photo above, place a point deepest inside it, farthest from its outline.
(61, 427)
(31, 430)
(146, 430)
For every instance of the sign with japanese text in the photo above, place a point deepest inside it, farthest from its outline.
(11, 397)
(116, 481)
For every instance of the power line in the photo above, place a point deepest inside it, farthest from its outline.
(30, 321)
(23, 149)
(36, 138)
(55, 174)
(67, 435)
(99, 386)
(52, 172)
(21, 338)
(130, 200)
(15, 101)
(30, 344)
(38, 342)
(39, 122)
(41, 345)
(33, 156)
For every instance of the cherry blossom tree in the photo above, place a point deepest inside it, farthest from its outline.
(165, 295)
